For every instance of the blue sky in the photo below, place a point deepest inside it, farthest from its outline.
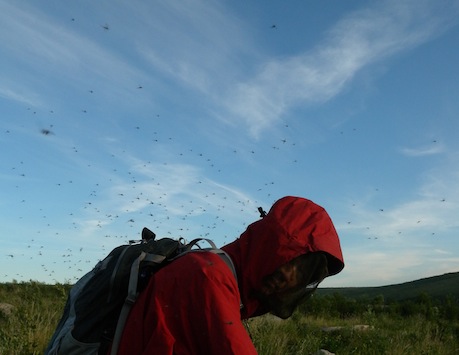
(185, 116)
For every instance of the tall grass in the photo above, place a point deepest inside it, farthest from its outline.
(385, 335)
(38, 307)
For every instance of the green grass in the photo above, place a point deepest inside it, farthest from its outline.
(37, 309)
(426, 329)
(305, 335)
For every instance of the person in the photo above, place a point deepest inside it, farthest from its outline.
(196, 304)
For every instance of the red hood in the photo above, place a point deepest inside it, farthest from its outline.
(293, 226)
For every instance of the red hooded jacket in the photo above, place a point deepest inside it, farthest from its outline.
(192, 306)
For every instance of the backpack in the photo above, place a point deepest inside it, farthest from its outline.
(99, 303)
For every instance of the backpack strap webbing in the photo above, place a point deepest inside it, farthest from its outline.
(131, 296)
(227, 259)
(195, 242)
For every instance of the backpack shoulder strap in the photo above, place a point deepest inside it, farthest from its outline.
(228, 261)
(153, 253)
(132, 293)
(130, 300)
(226, 258)
(220, 252)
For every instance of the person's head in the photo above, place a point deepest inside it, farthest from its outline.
(281, 258)
(292, 283)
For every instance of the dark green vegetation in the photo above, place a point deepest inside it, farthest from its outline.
(27, 327)
(437, 287)
(420, 317)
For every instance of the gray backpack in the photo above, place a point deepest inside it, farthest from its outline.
(99, 303)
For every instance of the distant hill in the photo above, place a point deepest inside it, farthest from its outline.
(437, 287)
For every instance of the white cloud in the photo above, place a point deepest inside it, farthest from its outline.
(370, 268)
(424, 151)
(406, 222)
(441, 251)
(48, 54)
(200, 50)
(358, 40)
(22, 95)
(406, 241)
(390, 266)
(168, 197)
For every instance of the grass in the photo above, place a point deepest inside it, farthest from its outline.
(305, 335)
(38, 307)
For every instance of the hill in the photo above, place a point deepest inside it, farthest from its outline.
(437, 287)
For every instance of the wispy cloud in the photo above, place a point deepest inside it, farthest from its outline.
(431, 211)
(22, 95)
(360, 39)
(407, 240)
(424, 151)
(208, 41)
(442, 252)
(45, 50)
(387, 267)
(391, 266)
(172, 197)
(173, 183)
